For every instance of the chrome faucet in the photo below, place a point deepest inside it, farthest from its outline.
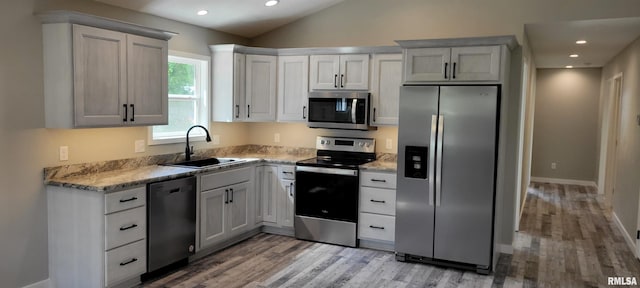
(189, 150)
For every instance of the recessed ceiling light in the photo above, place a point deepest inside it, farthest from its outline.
(271, 3)
(573, 55)
(202, 12)
(568, 66)
(581, 42)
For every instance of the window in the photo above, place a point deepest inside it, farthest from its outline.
(188, 99)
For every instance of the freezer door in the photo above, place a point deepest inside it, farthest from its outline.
(415, 195)
(464, 200)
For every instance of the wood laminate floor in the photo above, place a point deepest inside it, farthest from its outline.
(567, 239)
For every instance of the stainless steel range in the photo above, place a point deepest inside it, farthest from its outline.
(326, 203)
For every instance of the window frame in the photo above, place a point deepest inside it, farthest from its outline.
(202, 75)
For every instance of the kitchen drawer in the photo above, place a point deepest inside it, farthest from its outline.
(377, 227)
(125, 262)
(376, 200)
(379, 180)
(224, 178)
(125, 227)
(287, 172)
(126, 199)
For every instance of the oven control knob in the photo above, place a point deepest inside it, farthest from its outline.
(328, 142)
(321, 142)
(367, 145)
(361, 144)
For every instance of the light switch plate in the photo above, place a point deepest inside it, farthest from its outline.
(215, 140)
(64, 153)
(276, 137)
(139, 146)
(389, 144)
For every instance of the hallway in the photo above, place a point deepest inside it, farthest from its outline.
(567, 239)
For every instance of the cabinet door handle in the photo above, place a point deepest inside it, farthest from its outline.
(287, 172)
(335, 80)
(133, 113)
(379, 180)
(446, 64)
(378, 201)
(123, 228)
(226, 196)
(374, 115)
(128, 200)
(341, 80)
(248, 111)
(454, 70)
(291, 189)
(376, 227)
(126, 112)
(304, 110)
(128, 262)
(237, 111)
(231, 201)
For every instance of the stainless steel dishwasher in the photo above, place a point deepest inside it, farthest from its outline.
(171, 227)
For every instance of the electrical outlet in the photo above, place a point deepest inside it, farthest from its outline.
(276, 137)
(389, 144)
(215, 139)
(139, 146)
(554, 165)
(638, 119)
(64, 153)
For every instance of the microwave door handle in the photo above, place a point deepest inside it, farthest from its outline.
(353, 110)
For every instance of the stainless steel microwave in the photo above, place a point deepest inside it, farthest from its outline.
(339, 110)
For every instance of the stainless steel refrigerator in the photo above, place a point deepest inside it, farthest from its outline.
(447, 139)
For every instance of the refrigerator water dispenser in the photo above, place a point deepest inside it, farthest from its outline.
(415, 162)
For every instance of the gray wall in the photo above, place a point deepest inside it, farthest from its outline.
(625, 198)
(566, 123)
(26, 148)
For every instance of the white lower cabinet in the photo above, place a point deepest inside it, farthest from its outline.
(376, 222)
(97, 239)
(225, 205)
(276, 185)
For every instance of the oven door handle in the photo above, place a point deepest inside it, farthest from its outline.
(332, 171)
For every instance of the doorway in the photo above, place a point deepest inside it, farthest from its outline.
(612, 137)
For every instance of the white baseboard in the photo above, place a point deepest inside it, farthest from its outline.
(625, 233)
(42, 284)
(505, 248)
(564, 181)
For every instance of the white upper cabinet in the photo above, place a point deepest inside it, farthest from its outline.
(260, 88)
(228, 97)
(331, 72)
(293, 87)
(474, 63)
(96, 77)
(386, 80)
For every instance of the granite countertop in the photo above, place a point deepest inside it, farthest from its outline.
(115, 175)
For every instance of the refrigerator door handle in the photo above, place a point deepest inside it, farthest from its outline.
(439, 159)
(432, 157)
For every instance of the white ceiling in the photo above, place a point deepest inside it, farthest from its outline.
(247, 18)
(553, 42)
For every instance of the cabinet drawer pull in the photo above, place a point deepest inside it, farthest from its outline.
(174, 190)
(128, 262)
(379, 180)
(128, 227)
(378, 201)
(126, 113)
(376, 227)
(128, 200)
(287, 172)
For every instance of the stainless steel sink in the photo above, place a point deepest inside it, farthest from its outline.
(205, 163)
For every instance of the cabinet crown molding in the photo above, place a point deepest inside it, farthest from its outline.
(73, 17)
(305, 51)
(509, 40)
